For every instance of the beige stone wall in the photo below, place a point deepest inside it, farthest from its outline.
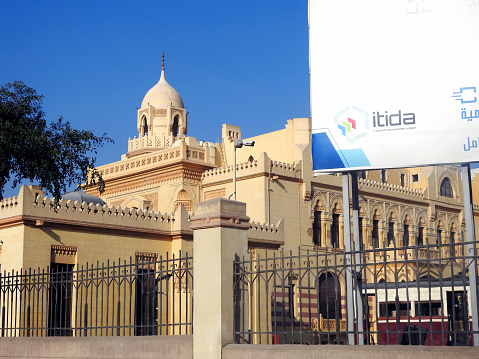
(286, 145)
(91, 246)
(98, 233)
(12, 249)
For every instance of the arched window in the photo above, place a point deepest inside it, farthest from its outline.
(383, 176)
(174, 128)
(317, 228)
(405, 237)
(335, 231)
(144, 126)
(391, 237)
(183, 199)
(375, 233)
(439, 236)
(361, 243)
(452, 240)
(446, 188)
(420, 233)
(329, 296)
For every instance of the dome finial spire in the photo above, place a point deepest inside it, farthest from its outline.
(163, 62)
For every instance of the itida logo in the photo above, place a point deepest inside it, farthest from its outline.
(352, 122)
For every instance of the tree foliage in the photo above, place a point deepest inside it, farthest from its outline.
(53, 154)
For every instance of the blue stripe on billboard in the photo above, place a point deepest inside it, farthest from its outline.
(356, 158)
(324, 153)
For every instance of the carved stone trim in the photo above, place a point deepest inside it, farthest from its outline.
(146, 257)
(63, 254)
(220, 220)
(220, 212)
(64, 250)
(145, 260)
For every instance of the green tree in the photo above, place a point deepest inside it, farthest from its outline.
(54, 155)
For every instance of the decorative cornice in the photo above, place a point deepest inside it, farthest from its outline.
(146, 257)
(68, 251)
(220, 220)
(155, 177)
(84, 226)
(11, 222)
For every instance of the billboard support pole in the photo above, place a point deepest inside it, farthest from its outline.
(348, 259)
(357, 257)
(471, 248)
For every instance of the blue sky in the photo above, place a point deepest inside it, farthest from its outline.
(240, 62)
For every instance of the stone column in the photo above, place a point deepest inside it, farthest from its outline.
(220, 232)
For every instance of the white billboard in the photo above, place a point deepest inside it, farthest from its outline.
(394, 83)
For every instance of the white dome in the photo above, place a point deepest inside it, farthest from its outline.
(162, 94)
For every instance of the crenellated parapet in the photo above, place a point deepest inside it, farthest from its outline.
(9, 202)
(30, 207)
(286, 169)
(366, 184)
(264, 165)
(9, 207)
(266, 235)
(225, 172)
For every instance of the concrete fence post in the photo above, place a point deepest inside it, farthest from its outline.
(220, 232)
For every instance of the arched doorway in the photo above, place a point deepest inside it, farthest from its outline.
(329, 296)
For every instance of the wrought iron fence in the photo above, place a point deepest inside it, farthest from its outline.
(391, 295)
(146, 296)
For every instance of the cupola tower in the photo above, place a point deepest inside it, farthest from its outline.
(161, 120)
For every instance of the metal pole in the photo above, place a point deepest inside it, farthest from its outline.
(357, 257)
(234, 173)
(471, 248)
(347, 259)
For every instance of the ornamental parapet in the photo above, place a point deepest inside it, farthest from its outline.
(148, 142)
(266, 235)
(370, 184)
(263, 165)
(389, 254)
(161, 157)
(329, 325)
(8, 202)
(30, 206)
(226, 172)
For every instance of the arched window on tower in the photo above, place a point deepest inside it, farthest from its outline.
(174, 128)
(144, 126)
(446, 188)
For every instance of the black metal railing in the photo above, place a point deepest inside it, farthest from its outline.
(391, 295)
(152, 297)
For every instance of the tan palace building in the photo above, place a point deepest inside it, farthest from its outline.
(152, 190)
